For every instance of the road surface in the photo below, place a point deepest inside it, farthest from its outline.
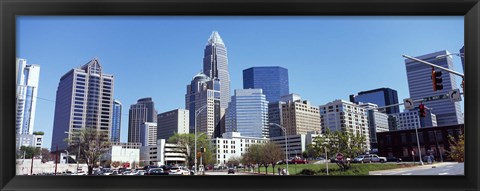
(446, 168)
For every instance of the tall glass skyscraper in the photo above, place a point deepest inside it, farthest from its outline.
(116, 121)
(27, 89)
(204, 92)
(273, 80)
(84, 100)
(420, 86)
(139, 113)
(380, 97)
(247, 113)
(215, 66)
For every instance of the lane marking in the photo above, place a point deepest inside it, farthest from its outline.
(407, 174)
(443, 173)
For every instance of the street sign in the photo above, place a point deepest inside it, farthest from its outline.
(455, 95)
(408, 103)
(436, 97)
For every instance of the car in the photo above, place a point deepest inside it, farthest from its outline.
(360, 159)
(157, 171)
(178, 171)
(376, 158)
(393, 159)
(298, 160)
(231, 171)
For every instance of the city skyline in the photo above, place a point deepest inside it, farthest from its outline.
(324, 43)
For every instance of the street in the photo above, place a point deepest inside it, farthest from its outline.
(216, 173)
(446, 168)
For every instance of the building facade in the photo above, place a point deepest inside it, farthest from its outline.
(275, 117)
(28, 76)
(171, 122)
(215, 66)
(410, 119)
(84, 100)
(163, 153)
(148, 133)
(296, 144)
(377, 122)
(273, 80)
(420, 86)
(300, 117)
(247, 113)
(203, 102)
(123, 154)
(29, 140)
(233, 145)
(116, 121)
(380, 97)
(341, 115)
(139, 113)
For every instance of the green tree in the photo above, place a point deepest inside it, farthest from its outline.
(29, 152)
(272, 154)
(93, 144)
(457, 148)
(187, 146)
(253, 155)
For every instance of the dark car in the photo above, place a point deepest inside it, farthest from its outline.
(156, 171)
(231, 171)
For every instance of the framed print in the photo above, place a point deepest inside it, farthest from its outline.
(281, 95)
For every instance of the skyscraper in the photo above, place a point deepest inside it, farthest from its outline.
(215, 66)
(203, 96)
(170, 122)
(27, 89)
(299, 117)
(139, 113)
(116, 121)
(273, 80)
(247, 113)
(380, 97)
(84, 100)
(148, 133)
(377, 122)
(420, 86)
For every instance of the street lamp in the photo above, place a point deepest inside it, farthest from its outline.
(78, 154)
(195, 126)
(286, 144)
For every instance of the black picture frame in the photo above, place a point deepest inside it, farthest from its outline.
(9, 9)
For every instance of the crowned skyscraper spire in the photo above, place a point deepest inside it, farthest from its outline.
(215, 66)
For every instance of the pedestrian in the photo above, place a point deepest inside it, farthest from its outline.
(284, 172)
(279, 170)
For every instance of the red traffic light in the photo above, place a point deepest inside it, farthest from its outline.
(422, 110)
(437, 80)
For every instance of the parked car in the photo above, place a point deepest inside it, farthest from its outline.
(178, 171)
(359, 159)
(393, 159)
(231, 171)
(157, 171)
(298, 160)
(376, 158)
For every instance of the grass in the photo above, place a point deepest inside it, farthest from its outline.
(320, 169)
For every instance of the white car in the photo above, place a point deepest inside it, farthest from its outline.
(179, 171)
(376, 158)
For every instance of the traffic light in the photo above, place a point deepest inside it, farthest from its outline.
(422, 111)
(437, 80)
(463, 85)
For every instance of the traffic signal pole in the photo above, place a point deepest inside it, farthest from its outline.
(433, 65)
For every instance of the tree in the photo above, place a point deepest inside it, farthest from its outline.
(253, 155)
(29, 152)
(457, 148)
(272, 154)
(187, 146)
(234, 161)
(46, 155)
(93, 144)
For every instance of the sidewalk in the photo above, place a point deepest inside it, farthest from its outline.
(419, 167)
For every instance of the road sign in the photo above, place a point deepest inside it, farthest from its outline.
(408, 103)
(436, 97)
(455, 95)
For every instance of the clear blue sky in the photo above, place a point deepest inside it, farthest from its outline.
(328, 58)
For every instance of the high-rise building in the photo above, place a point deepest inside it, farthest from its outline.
(247, 113)
(462, 56)
(203, 102)
(148, 133)
(116, 121)
(171, 122)
(420, 86)
(215, 66)
(377, 122)
(275, 117)
(84, 100)
(341, 115)
(380, 97)
(410, 119)
(139, 113)
(299, 117)
(27, 90)
(273, 80)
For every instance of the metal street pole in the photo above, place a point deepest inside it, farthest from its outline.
(326, 158)
(436, 66)
(195, 126)
(418, 142)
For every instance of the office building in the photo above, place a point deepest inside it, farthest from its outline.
(29, 140)
(410, 119)
(233, 145)
(273, 80)
(247, 113)
(84, 100)
(215, 66)
(377, 122)
(275, 117)
(139, 113)
(148, 133)
(203, 102)
(381, 97)
(116, 121)
(171, 122)
(420, 86)
(345, 116)
(299, 116)
(26, 98)
(163, 153)
(123, 153)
